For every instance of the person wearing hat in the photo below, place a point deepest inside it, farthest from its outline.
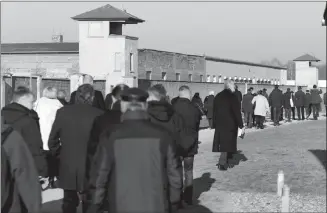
(299, 103)
(137, 164)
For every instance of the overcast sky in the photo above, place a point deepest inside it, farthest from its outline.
(244, 31)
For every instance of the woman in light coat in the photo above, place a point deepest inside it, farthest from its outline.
(46, 108)
(261, 109)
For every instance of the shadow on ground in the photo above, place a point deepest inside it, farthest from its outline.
(320, 155)
(237, 158)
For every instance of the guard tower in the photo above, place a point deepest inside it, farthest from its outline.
(104, 52)
(305, 73)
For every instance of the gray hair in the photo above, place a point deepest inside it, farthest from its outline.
(50, 92)
(229, 84)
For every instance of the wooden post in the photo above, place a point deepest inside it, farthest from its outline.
(286, 199)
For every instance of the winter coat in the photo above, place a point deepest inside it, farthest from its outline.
(26, 122)
(315, 96)
(227, 119)
(46, 109)
(247, 105)
(276, 98)
(238, 95)
(69, 136)
(261, 105)
(98, 100)
(287, 100)
(198, 103)
(173, 101)
(325, 99)
(191, 117)
(299, 98)
(138, 168)
(208, 105)
(19, 176)
(307, 100)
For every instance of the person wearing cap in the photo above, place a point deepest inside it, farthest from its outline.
(276, 102)
(307, 103)
(137, 164)
(299, 103)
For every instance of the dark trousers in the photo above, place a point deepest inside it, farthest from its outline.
(315, 110)
(188, 179)
(293, 112)
(300, 112)
(308, 111)
(288, 112)
(210, 122)
(248, 119)
(260, 119)
(71, 201)
(53, 165)
(281, 114)
(276, 114)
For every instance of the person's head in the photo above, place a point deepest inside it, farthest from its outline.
(196, 95)
(292, 91)
(236, 87)
(157, 93)
(88, 79)
(276, 86)
(249, 90)
(299, 88)
(23, 96)
(288, 90)
(117, 90)
(134, 99)
(314, 86)
(50, 92)
(185, 92)
(212, 92)
(84, 94)
(259, 92)
(307, 91)
(229, 84)
(61, 94)
(264, 90)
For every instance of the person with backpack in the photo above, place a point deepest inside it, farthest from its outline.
(20, 188)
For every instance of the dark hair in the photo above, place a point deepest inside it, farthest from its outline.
(21, 91)
(276, 86)
(299, 87)
(184, 87)
(158, 91)
(196, 95)
(288, 89)
(249, 90)
(264, 89)
(314, 86)
(84, 94)
(117, 90)
(260, 92)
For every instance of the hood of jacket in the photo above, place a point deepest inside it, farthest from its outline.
(160, 110)
(13, 112)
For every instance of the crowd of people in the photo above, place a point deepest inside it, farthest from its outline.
(132, 151)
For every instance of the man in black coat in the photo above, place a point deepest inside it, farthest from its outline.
(20, 188)
(21, 116)
(137, 165)
(189, 141)
(247, 108)
(70, 135)
(299, 103)
(307, 103)
(98, 100)
(227, 119)
(112, 101)
(276, 102)
(208, 105)
(287, 104)
(238, 94)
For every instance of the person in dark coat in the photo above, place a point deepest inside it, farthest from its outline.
(112, 100)
(238, 94)
(20, 188)
(293, 105)
(208, 105)
(189, 148)
(315, 101)
(98, 100)
(70, 135)
(137, 165)
(307, 103)
(197, 101)
(287, 104)
(247, 109)
(325, 103)
(265, 94)
(227, 119)
(21, 116)
(276, 102)
(299, 103)
(173, 101)
(61, 96)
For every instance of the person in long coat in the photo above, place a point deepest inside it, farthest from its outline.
(287, 104)
(247, 108)
(208, 105)
(276, 103)
(261, 108)
(98, 100)
(299, 103)
(70, 135)
(227, 119)
(315, 101)
(137, 164)
(197, 101)
(307, 103)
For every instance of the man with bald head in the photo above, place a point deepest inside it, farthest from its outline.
(98, 100)
(188, 146)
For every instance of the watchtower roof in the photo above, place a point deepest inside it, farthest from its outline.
(307, 57)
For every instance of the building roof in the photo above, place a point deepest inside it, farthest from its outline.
(307, 57)
(231, 61)
(39, 48)
(108, 13)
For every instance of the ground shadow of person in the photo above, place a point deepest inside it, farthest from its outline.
(237, 158)
(320, 155)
